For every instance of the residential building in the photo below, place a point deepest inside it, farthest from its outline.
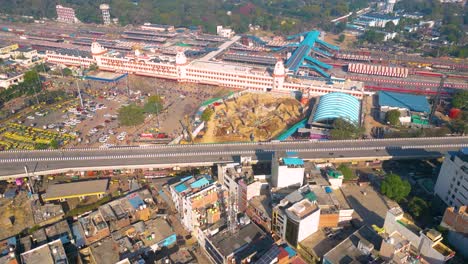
(427, 244)
(66, 14)
(10, 78)
(60, 230)
(259, 210)
(287, 170)
(389, 5)
(242, 185)
(360, 247)
(198, 200)
(375, 20)
(456, 221)
(334, 177)
(47, 213)
(334, 209)
(92, 227)
(452, 182)
(8, 249)
(297, 216)
(51, 253)
(242, 246)
(105, 13)
(79, 190)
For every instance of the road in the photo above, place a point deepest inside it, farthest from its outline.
(14, 163)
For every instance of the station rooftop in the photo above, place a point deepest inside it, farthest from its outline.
(412, 102)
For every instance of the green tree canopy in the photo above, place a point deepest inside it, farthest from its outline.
(373, 36)
(131, 115)
(394, 187)
(343, 129)
(347, 172)
(341, 38)
(460, 99)
(207, 113)
(154, 104)
(417, 206)
(67, 72)
(393, 117)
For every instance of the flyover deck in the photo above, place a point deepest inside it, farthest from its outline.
(13, 163)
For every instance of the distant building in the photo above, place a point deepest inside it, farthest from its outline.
(452, 1)
(297, 216)
(360, 247)
(105, 13)
(390, 4)
(452, 182)
(375, 20)
(287, 170)
(225, 32)
(10, 78)
(66, 14)
(158, 27)
(6, 48)
(52, 253)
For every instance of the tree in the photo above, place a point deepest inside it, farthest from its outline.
(393, 117)
(54, 144)
(389, 26)
(347, 172)
(343, 129)
(31, 77)
(341, 38)
(460, 99)
(93, 67)
(67, 72)
(418, 206)
(395, 188)
(153, 104)
(373, 36)
(207, 113)
(131, 115)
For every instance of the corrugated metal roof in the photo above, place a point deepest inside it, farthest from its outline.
(293, 161)
(416, 103)
(199, 183)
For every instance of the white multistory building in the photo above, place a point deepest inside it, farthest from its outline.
(105, 13)
(389, 5)
(452, 182)
(297, 216)
(287, 171)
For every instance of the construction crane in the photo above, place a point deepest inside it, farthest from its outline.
(436, 102)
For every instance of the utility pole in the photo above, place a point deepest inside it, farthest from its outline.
(79, 93)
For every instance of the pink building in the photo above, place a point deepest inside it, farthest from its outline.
(66, 14)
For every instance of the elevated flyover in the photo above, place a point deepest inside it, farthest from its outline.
(43, 162)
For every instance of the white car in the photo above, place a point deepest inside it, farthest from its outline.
(31, 117)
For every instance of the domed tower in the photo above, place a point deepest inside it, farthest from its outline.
(279, 74)
(181, 65)
(97, 51)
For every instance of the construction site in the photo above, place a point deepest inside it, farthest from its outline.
(252, 117)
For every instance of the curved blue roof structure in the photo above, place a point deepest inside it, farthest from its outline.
(337, 105)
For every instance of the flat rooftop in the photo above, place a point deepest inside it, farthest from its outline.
(75, 189)
(347, 251)
(52, 252)
(160, 228)
(227, 243)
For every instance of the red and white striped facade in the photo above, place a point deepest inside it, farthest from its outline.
(378, 70)
(197, 71)
(65, 14)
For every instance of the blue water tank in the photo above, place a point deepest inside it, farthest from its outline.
(328, 189)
